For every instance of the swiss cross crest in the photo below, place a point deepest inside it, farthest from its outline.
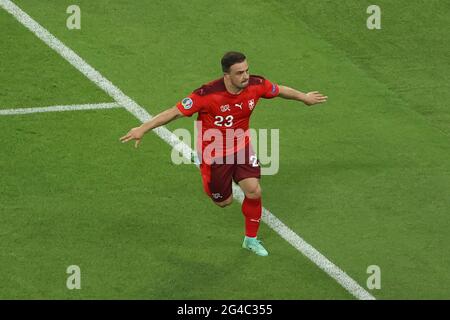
(251, 104)
(225, 108)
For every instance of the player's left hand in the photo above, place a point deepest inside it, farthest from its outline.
(314, 97)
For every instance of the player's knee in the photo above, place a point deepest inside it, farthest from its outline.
(225, 203)
(254, 192)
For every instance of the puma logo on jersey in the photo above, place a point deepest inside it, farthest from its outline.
(239, 105)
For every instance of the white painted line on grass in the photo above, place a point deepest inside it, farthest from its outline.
(17, 111)
(294, 239)
(93, 75)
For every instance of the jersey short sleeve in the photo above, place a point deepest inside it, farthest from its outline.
(191, 104)
(270, 90)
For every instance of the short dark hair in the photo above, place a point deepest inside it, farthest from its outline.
(230, 58)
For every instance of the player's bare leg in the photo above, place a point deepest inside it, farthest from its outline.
(251, 188)
(252, 210)
(225, 203)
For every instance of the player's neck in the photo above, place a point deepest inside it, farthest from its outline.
(231, 88)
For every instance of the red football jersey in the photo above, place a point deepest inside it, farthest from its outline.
(223, 113)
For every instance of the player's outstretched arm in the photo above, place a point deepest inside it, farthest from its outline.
(309, 98)
(159, 120)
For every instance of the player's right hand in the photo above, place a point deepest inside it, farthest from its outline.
(134, 134)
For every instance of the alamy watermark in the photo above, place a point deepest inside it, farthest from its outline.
(228, 146)
(374, 280)
(74, 20)
(74, 278)
(374, 20)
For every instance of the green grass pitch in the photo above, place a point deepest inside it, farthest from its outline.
(365, 178)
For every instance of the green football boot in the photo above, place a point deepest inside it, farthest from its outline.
(254, 245)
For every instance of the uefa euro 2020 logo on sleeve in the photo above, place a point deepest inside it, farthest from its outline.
(187, 103)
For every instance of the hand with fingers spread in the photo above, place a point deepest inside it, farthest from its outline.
(134, 134)
(314, 97)
(157, 121)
